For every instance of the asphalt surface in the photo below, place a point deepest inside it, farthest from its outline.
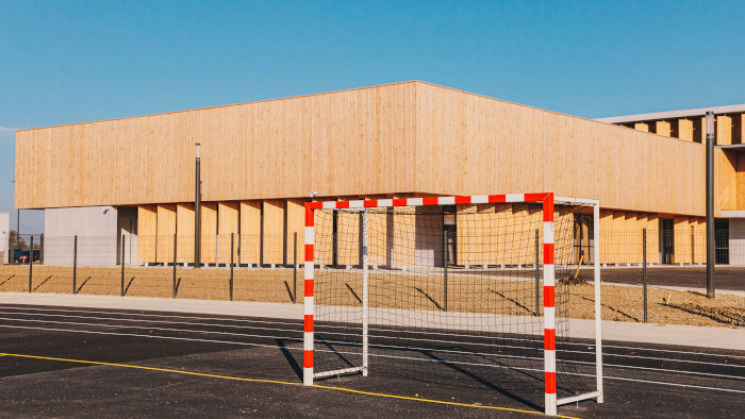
(726, 278)
(196, 363)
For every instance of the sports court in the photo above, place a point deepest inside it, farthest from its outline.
(87, 361)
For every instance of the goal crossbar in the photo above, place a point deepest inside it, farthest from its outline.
(547, 201)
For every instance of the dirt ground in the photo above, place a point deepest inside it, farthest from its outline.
(466, 292)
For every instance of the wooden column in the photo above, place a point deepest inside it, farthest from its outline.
(723, 130)
(685, 131)
(641, 126)
(227, 224)
(682, 233)
(185, 233)
(273, 221)
(295, 223)
(208, 232)
(250, 242)
(147, 230)
(663, 128)
(166, 219)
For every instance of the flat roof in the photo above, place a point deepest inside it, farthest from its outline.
(686, 113)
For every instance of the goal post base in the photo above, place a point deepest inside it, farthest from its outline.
(343, 371)
(579, 397)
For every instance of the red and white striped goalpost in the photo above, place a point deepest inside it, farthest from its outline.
(549, 308)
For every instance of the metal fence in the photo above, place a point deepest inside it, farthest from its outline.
(650, 265)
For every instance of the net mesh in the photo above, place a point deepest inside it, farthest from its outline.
(455, 294)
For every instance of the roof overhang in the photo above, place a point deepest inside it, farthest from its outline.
(687, 113)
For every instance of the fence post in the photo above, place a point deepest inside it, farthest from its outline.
(75, 265)
(122, 260)
(232, 235)
(537, 273)
(445, 269)
(175, 260)
(41, 249)
(644, 270)
(294, 269)
(30, 263)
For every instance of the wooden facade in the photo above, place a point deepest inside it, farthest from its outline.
(408, 137)
(260, 161)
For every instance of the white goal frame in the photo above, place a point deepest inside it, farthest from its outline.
(546, 199)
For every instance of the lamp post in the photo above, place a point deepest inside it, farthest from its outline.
(197, 199)
(710, 253)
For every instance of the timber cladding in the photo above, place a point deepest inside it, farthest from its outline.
(398, 138)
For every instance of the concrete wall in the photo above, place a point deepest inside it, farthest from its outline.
(4, 237)
(737, 242)
(96, 228)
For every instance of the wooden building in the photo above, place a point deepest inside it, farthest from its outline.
(261, 160)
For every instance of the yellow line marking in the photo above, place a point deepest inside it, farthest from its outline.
(257, 380)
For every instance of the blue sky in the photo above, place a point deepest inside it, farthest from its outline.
(71, 61)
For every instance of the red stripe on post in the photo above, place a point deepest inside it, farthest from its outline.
(370, 203)
(309, 253)
(462, 200)
(430, 201)
(400, 202)
(548, 253)
(548, 208)
(307, 359)
(532, 197)
(549, 298)
(550, 383)
(549, 339)
(342, 204)
(494, 199)
(308, 288)
(314, 205)
(309, 221)
(308, 323)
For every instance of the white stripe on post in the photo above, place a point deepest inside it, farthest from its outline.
(357, 204)
(309, 232)
(549, 276)
(449, 200)
(385, 202)
(308, 307)
(548, 232)
(551, 360)
(514, 197)
(415, 202)
(551, 404)
(307, 341)
(480, 199)
(329, 204)
(549, 315)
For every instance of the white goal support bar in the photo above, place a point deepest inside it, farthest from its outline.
(546, 199)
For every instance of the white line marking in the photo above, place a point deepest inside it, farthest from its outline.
(90, 332)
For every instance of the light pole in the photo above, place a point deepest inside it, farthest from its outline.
(710, 252)
(197, 200)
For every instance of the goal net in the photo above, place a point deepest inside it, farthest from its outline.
(451, 290)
